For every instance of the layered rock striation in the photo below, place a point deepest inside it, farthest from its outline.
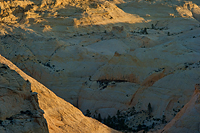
(107, 55)
(20, 110)
(187, 120)
(25, 111)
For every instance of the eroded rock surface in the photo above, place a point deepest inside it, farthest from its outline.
(20, 111)
(187, 120)
(108, 55)
(18, 114)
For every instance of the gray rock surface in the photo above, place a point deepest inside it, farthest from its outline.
(107, 55)
(24, 111)
(20, 111)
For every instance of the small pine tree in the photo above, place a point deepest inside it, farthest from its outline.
(145, 31)
(99, 118)
(114, 119)
(105, 121)
(133, 110)
(149, 109)
(153, 125)
(118, 114)
(163, 119)
(88, 113)
(139, 127)
(109, 120)
(152, 26)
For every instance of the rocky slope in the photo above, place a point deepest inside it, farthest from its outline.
(20, 111)
(108, 55)
(25, 111)
(187, 120)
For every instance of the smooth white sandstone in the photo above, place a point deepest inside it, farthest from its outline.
(97, 55)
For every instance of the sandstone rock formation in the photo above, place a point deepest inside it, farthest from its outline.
(107, 55)
(187, 120)
(20, 111)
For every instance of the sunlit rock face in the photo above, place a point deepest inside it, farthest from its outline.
(187, 119)
(108, 55)
(20, 111)
(28, 106)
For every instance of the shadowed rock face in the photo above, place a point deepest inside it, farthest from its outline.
(20, 111)
(187, 120)
(107, 55)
